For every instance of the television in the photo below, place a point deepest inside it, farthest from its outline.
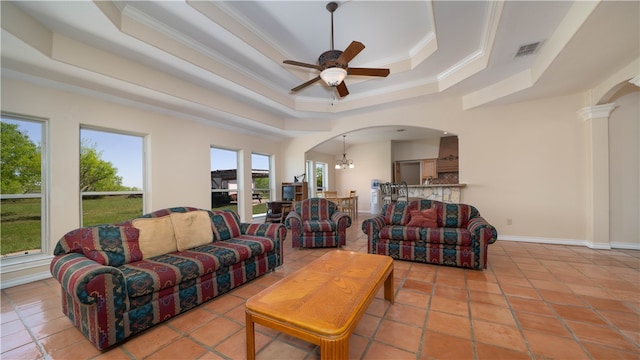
(288, 193)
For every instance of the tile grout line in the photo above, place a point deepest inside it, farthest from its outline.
(36, 341)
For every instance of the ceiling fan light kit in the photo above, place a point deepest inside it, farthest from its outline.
(334, 64)
(333, 76)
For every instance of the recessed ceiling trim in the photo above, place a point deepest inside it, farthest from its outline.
(221, 71)
(569, 26)
(222, 16)
(508, 86)
(479, 59)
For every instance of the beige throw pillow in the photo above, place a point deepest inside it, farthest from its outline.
(192, 229)
(156, 236)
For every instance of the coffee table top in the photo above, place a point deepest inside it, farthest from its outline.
(326, 295)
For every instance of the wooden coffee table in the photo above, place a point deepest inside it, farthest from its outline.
(323, 302)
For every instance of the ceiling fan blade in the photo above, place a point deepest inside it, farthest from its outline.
(368, 71)
(298, 63)
(342, 89)
(299, 87)
(350, 52)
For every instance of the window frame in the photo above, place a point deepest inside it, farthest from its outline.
(228, 191)
(141, 192)
(19, 262)
(325, 176)
(271, 186)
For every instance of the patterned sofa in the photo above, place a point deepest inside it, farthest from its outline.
(316, 222)
(118, 280)
(456, 235)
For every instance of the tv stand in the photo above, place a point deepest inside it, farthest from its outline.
(300, 190)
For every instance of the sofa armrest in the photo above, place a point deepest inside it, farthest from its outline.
(373, 225)
(275, 232)
(88, 281)
(342, 219)
(293, 220)
(271, 230)
(482, 230)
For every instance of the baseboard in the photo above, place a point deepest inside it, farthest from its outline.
(5, 284)
(540, 240)
(572, 242)
(626, 246)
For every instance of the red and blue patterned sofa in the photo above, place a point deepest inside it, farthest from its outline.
(118, 280)
(458, 236)
(316, 222)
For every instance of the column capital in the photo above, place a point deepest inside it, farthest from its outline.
(596, 111)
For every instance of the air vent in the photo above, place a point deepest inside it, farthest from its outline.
(528, 49)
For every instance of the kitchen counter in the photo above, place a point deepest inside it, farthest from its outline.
(437, 185)
(451, 193)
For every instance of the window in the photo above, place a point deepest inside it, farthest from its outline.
(321, 176)
(23, 186)
(111, 176)
(260, 175)
(224, 179)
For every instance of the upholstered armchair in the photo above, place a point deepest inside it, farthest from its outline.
(316, 222)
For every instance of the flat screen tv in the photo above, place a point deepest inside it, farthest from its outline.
(288, 193)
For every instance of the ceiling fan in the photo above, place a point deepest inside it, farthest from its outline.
(334, 64)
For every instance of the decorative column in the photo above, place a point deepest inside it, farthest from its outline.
(597, 141)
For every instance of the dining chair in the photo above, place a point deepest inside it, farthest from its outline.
(330, 194)
(349, 204)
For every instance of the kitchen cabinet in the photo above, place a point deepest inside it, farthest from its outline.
(428, 169)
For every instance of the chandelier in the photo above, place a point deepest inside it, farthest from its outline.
(344, 163)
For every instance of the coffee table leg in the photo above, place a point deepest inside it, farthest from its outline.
(336, 349)
(251, 338)
(388, 287)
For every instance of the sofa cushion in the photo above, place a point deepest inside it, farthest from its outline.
(448, 236)
(398, 232)
(226, 224)
(111, 245)
(397, 213)
(156, 236)
(456, 215)
(318, 225)
(424, 218)
(169, 270)
(191, 229)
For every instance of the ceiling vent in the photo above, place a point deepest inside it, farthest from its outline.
(528, 49)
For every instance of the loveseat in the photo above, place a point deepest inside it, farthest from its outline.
(118, 280)
(316, 222)
(431, 231)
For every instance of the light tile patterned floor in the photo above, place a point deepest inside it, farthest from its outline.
(534, 301)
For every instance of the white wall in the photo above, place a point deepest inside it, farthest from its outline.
(416, 150)
(524, 162)
(177, 152)
(624, 162)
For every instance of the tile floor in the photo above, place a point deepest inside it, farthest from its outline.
(534, 301)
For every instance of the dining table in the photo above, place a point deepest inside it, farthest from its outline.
(351, 209)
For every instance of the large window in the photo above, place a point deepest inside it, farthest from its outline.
(23, 186)
(111, 176)
(321, 177)
(260, 175)
(224, 179)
